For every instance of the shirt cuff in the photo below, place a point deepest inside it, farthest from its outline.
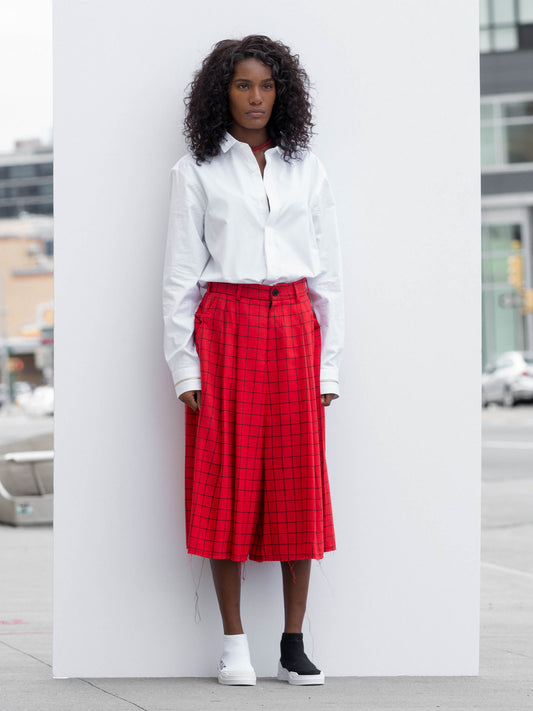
(330, 386)
(181, 386)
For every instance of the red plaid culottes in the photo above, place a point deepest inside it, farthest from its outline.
(256, 481)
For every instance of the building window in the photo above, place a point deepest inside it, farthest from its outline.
(506, 131)
(45, 168)
(505, 25)
(26, 190)
(45, 189)
(22, 171)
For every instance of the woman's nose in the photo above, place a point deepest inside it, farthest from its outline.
(255, 96)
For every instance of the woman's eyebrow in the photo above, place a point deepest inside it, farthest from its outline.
(249, 80)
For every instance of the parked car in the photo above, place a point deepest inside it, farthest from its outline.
(509, 379)
(38, 402)
(20, 387)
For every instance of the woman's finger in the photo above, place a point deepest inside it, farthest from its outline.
(189, 398)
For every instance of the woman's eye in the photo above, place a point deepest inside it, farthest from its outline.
(245, 86)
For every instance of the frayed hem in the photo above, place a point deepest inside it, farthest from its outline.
(276, 559)
(210, 556)
(261, 559)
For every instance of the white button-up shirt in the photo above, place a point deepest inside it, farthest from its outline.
(228, 223)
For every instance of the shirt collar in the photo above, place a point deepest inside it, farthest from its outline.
(229, 141)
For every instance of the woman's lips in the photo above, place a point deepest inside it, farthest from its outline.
(255, 114)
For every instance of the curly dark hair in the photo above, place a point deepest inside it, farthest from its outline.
(208, 115)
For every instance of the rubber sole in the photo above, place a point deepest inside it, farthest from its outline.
(237, 678)
(299, 679)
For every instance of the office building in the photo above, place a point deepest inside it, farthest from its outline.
(506, 77)
(26, 180)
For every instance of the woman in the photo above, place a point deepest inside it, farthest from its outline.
(253, 311)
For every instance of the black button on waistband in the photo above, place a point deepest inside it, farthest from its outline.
(275, 292)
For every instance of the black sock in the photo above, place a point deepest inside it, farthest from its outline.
(293, 657)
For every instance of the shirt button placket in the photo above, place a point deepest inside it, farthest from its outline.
(272, 258)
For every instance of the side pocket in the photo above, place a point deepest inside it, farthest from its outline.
(197, 317)
(197, 322)
(312, 311)
(207, 304)
(201, 308)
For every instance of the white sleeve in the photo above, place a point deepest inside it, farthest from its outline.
(326, 288)
(185, 258)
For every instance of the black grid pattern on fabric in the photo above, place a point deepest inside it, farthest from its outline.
(256, 480)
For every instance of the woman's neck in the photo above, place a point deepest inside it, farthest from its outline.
(250, 136)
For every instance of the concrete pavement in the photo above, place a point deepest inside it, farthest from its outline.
(506, 673)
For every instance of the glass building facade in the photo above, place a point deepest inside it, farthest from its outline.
(506, 177)
(26, 183)
(505, 25)
(507, 131)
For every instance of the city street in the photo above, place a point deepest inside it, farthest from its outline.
(15, 426)
(507, 512)
(506, 674)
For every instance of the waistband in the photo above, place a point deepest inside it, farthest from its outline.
(281, 290)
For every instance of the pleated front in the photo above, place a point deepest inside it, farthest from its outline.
(256, 481)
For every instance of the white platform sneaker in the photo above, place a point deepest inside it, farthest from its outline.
(235, 667)
(299, 679)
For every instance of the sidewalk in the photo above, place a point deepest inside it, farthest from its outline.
(506, 670)
(505, 681)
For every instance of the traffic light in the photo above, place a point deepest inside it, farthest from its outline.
(515, 271)
(527, 308)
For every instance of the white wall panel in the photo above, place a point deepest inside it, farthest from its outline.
(398, 130)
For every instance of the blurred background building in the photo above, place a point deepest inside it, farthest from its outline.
(26, 268)
(506, 76)
(26, 179)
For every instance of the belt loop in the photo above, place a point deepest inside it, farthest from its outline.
(238, 292)
(295, 289)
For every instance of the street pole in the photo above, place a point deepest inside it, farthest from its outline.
(4, 348)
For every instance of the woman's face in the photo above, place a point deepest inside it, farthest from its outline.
(252, 92)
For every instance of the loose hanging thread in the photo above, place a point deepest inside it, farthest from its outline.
(310, 634)
(242, 570)
(197, 616)
(330, 586)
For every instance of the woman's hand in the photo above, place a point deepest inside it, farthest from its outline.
(191, 398)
